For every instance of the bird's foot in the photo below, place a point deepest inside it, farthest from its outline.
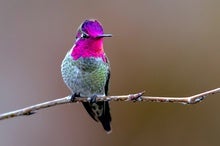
(92, 99)
(73, 97)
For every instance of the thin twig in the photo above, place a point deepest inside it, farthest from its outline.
(131, 97)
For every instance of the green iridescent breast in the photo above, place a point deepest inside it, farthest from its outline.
(86, 76)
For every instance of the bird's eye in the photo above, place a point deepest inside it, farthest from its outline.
(83, 35)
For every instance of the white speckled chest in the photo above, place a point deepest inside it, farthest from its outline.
(86, 76)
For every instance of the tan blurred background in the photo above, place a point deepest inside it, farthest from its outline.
(166, 47)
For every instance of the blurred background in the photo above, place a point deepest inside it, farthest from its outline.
(166, 47)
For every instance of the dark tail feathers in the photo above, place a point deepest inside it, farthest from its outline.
(100, 111)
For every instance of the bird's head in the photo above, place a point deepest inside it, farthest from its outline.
(89, 40)
(91, 29)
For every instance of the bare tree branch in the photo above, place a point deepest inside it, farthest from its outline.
(131, 97)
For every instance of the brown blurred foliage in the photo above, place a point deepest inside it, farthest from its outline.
(166, 47)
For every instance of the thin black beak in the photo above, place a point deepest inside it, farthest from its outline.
(104, 35)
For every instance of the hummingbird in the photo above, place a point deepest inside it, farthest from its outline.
(86, 70)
